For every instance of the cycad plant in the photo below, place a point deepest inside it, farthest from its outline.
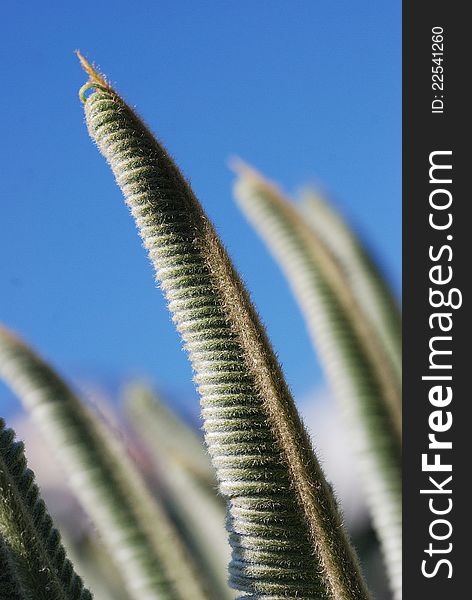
(284, 528)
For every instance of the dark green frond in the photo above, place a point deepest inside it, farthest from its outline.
(34, 545)
(285, 531)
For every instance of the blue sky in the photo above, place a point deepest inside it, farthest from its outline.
(307, 91)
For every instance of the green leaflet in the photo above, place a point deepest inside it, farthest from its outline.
(184, 468)
(29, 544)
(370, 288)
(134, 527)
(339, 330)
(284, 526)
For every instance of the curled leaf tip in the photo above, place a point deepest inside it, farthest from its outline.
(90, 70)
(97, 80)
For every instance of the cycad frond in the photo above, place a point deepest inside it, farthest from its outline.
(38, 566)
(285, 529)
(367, 282)
(134, 527)
(347, 348)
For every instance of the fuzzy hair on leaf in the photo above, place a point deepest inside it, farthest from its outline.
(285, 530)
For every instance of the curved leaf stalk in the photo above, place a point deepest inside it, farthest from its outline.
(31, 545)
(134, 527)
(359, 268)
(285, 529)
(189, 479)
(333, 320)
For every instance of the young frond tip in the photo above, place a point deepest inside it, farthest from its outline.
(96, 78)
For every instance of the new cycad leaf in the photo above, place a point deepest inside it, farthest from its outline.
(367, 282)
(133, 526)
(284, 526)
(345, 346)
(36, 566)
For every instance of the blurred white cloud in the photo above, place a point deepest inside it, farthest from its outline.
(333, 447)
